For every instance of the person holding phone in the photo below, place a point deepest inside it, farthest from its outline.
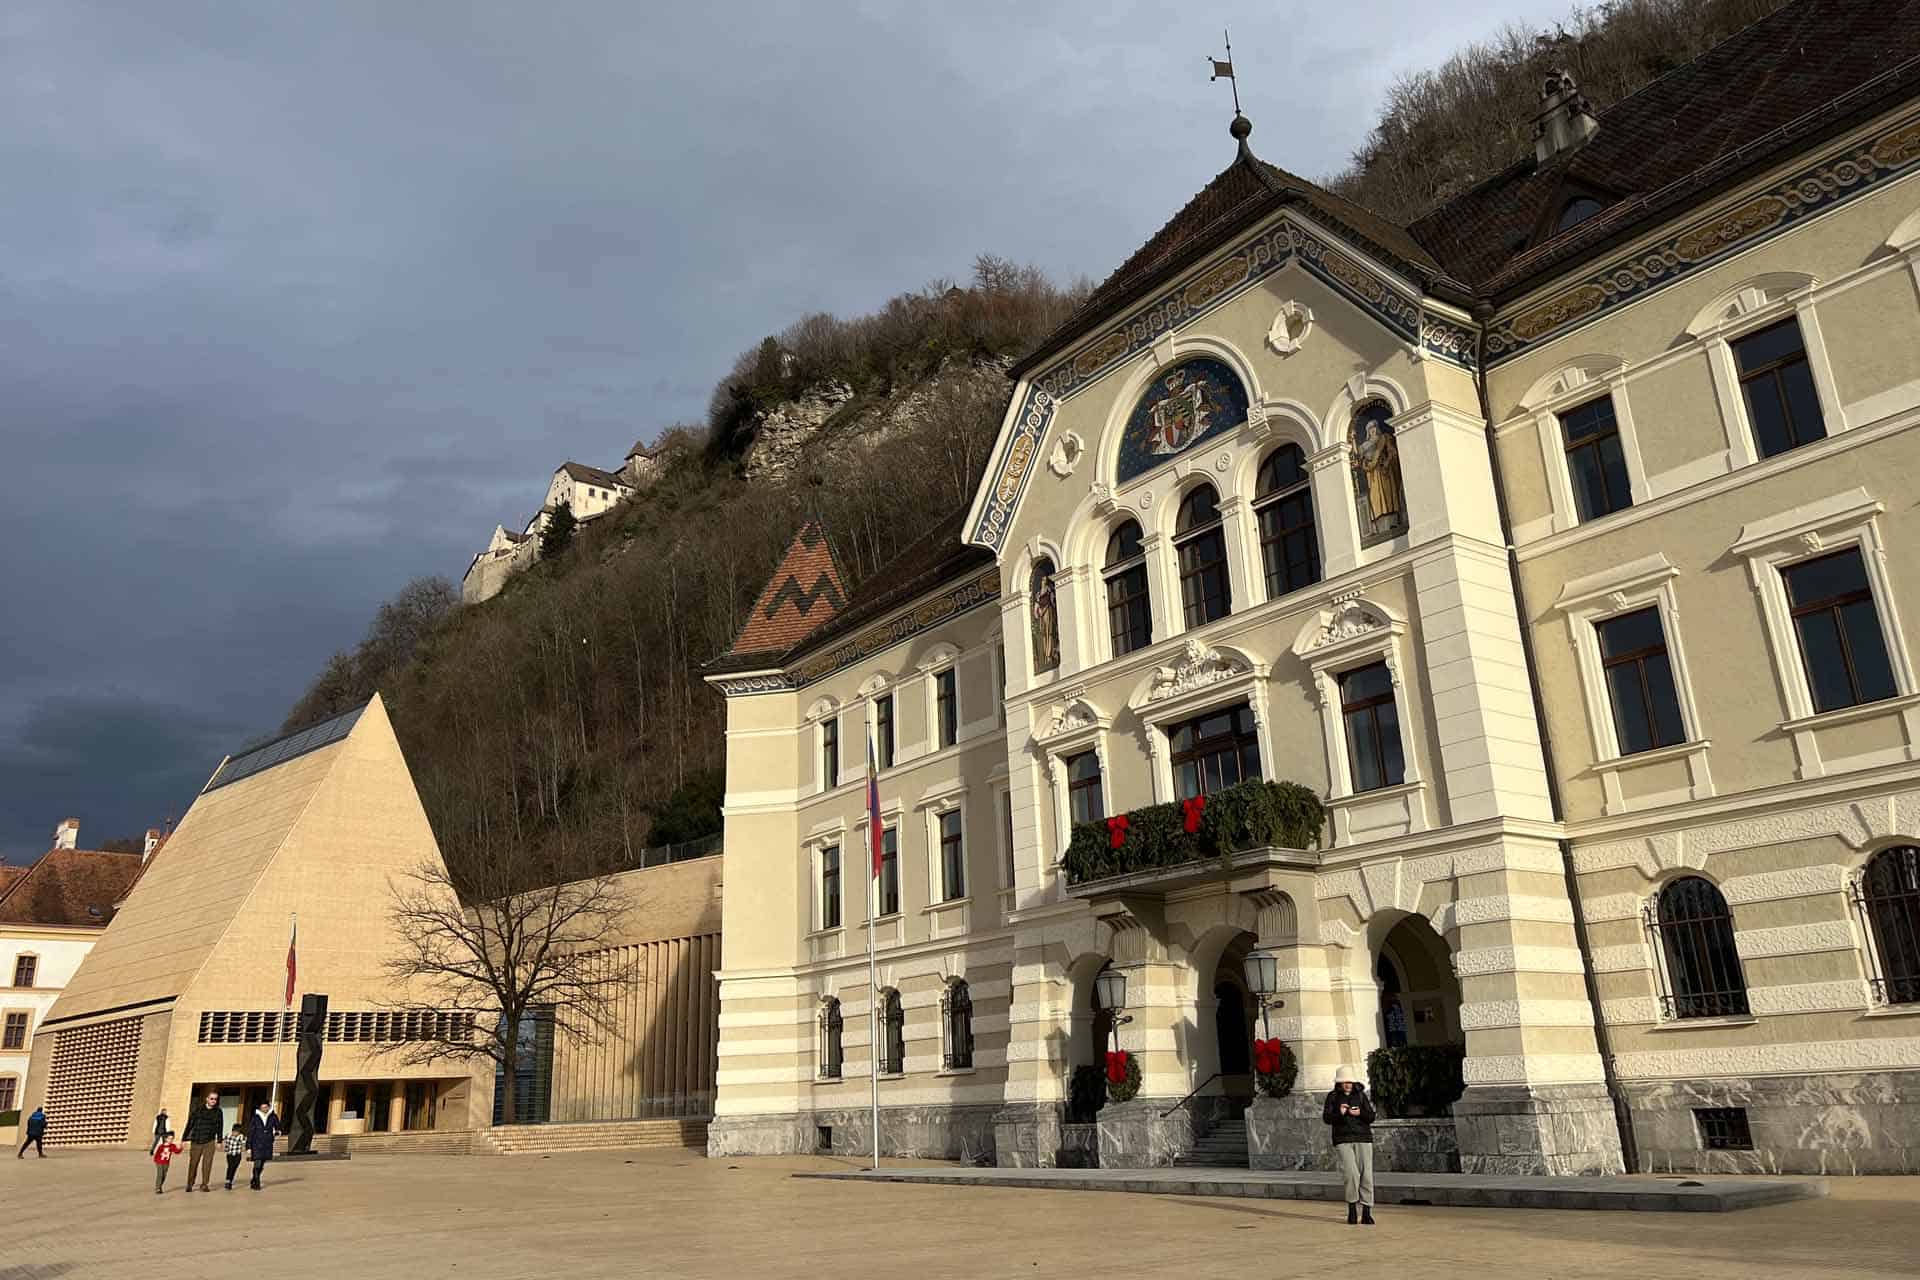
(1349, 1112)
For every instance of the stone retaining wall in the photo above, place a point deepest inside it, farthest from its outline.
(1863, 1123)
(927, 1133)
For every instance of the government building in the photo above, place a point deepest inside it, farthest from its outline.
(1560, 542)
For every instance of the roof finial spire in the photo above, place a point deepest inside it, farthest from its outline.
(1241, 126)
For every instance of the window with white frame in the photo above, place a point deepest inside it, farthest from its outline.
(1353, 649)
(26, 966)
(9, 1093)
(830, 887)
(1210, 752)
(1129, 610)
(13, 1030)
(1776, 386)
(1283, 506)
(1199, 540)
(951, 852)
(1375, 757)
(883, 732)
(1624, 625)
(886, 885)
(1769, 364)
(946, 706)
(1084, 800)
(1832, 623)
(830, 753)
(1596, 461)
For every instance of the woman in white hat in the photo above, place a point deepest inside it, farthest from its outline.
(1350, 1113)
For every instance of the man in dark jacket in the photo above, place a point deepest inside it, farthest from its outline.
(1349, 1112)
(260, 1131)
(36, 1134)
(205, 1123)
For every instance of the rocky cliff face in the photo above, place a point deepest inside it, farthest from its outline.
(832, 417)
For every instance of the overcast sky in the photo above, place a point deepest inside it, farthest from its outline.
(298, 299)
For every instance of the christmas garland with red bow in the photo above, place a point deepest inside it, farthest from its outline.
(1123, 1076)
(1274, 1067)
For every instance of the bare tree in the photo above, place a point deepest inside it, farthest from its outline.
(472, 972)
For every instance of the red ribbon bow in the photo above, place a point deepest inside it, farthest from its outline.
(1117, 830)
(1266, 1056)
(1192, 809)
(1116, 1066)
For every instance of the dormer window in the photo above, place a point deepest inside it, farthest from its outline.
(1576, 211)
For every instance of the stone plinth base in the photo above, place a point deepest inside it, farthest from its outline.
(1136, 1135)
(1423, 1145)
(1867, 1122)
(1027, 1136)
(1537, 1129)
(1287, 1133)
(926, 1133)
(1080, 1146)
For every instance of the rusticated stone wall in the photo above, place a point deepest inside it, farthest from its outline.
(1845, 1124)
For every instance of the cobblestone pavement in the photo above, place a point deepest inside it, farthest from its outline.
(93, 1216)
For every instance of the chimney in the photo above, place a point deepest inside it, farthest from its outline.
(154, 837)
(1565, 120)
(67, 834)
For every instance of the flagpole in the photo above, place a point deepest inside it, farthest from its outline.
(874, 1031)
(286, 1004)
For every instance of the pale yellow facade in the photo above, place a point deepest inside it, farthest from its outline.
(1506, 880)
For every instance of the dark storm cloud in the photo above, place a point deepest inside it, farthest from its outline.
(298, 301)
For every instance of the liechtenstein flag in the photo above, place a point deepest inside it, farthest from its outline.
(873, 806)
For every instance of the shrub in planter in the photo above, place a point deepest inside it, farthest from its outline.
(1248, 815)
(1086, 1094)
(1123, 1076)
(1416, 1080)
(1274, 1068)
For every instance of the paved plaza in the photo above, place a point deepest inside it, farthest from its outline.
(93, 1216)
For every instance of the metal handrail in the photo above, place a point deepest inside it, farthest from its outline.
(1190, 1097)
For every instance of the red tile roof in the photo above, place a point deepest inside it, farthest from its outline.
(804, 592)
(74, 887)
(932, 560)
(10, 876)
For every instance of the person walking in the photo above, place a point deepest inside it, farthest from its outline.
(260, 1134)
(204, 1124)
(161, 1127)
(163, 1155)
(36, 1134)
(1349, 1113)
(236, 1151)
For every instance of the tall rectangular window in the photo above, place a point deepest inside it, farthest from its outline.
(887, 887)
(1777, 383)
(1083, 788)
(1214, 751)
(14, 1034)
(1283, 504)
(946, 705)
(25, 968)
(1000, 682)
(1841, 644)
(830, 753)
(830, 887)
(883, 729)
(953, 863)
(1374, 756)
(1595, 463)
(1646, 706)
(1129, 611)
(1006, 833)
(9, 1087)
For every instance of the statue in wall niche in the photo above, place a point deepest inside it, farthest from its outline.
(1046, 617)
(1378, 492)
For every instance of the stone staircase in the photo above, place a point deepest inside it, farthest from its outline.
(595, 1135)
(1224, 1147)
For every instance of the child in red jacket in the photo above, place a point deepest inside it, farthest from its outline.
(163, 1153)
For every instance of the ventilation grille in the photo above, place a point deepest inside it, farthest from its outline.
(90, 1083)
(346, 1026)
(1724, 1128)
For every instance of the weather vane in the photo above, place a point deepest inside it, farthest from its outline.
(1225, 70)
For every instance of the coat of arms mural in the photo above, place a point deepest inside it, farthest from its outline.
(1186, 404)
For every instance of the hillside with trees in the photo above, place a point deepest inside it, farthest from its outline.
(567, 714)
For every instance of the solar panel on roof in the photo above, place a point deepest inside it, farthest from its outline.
(279, 750)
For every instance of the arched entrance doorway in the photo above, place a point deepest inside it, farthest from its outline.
(1233, 1007)
(1419, 993)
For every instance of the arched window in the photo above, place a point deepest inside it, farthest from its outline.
(1694, 933)
(1888, 898)
(1201, 543)
(1046, 616)
(893, 1033)
(956, 1012)
(1129, 612)
(1283, 502)
(830, 1026)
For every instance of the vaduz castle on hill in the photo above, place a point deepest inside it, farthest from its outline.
(1562, 541)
